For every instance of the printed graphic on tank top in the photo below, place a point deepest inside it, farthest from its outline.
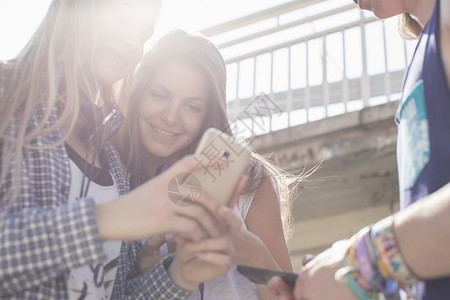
(415, 148)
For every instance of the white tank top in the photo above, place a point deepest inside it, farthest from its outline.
(232, 285)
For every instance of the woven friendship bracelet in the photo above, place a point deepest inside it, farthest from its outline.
(373, 264)
(354, 287)
(370, 264)
(383, 237)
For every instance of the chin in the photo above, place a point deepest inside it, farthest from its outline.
(383, 15)
(162, 153)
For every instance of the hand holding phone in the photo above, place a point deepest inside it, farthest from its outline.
(262, 276)
(219, 180)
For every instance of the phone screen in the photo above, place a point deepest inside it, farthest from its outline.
(262, 276)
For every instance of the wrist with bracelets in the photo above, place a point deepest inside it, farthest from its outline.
(373, 264)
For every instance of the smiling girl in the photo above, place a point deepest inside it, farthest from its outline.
(177, 93)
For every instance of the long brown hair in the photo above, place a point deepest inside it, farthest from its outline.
(199, 52)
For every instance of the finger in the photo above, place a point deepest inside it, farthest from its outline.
(237, 190)
(189, 203)
(206, 220)
(281, 289)
(169, 237)
(180, 239)
(219, 245)
(215, 258)
(188, 228)
(228, 218)
(209, 203)
(307, 258)
(341, 244)
(155, 241)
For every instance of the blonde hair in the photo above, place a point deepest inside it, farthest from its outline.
(409, 27)
(47, 74)
(199, 52)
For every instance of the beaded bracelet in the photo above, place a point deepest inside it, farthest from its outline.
(384, 239)
(350, 275)
(380, 279)
(366, 265)
(373, 264)
(353, 285)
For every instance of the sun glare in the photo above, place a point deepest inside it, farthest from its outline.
(18, 21)
(20, 18)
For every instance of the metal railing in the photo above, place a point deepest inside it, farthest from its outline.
(311, 59)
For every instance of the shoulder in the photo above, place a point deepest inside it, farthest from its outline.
(258, 171)
(265, 200)
(267, 187)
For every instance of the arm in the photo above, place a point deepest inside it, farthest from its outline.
(174, 277)
(149, 254)
(38, 245)
(264, 245)
(148, 210)
(155, 284)
(264, 220)
(426, 221)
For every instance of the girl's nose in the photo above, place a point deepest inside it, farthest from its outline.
(170, 114)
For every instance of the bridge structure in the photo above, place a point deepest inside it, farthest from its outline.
(315, 85)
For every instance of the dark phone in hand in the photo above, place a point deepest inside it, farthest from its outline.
(261, 276)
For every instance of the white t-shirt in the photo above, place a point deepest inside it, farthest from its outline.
(93, 281)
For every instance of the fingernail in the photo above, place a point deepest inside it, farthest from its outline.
(307, 258)
(225, 209)
(169, 237)
(273, 280)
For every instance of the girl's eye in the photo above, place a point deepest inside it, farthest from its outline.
(194, 108)
(159, 95)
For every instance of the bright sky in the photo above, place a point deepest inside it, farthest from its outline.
(19, 18)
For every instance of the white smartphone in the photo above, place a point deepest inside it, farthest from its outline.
(220, 180)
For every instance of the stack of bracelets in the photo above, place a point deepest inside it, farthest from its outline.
(373, 265)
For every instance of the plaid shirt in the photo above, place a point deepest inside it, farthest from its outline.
(42, 236)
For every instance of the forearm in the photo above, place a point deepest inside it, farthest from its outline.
(262, 258)
(155, 284)
(426, 223)
(38, 245)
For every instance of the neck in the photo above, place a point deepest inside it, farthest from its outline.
(420, 9)
(153, 162)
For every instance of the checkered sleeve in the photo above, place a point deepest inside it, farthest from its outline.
(156, 284)
(38, 245)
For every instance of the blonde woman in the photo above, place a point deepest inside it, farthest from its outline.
(61, 216)
(177, 93)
